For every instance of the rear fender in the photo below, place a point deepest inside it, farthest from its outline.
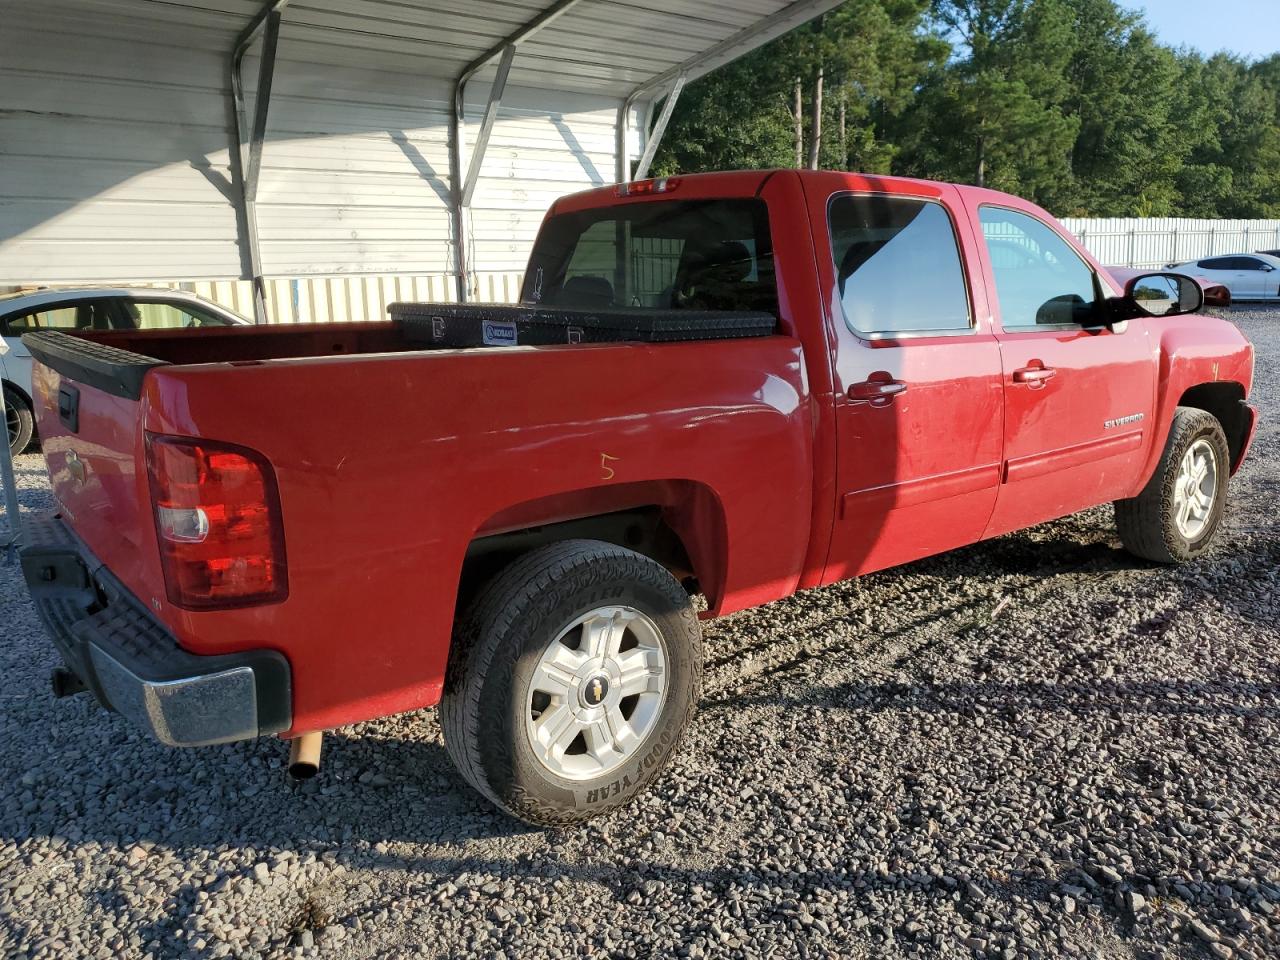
(691, 510)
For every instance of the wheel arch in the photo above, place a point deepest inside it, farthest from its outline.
(7, 384)
(16, 388)
(1224, 400)
(679, 523)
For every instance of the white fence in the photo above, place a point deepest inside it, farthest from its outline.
(324, 299)
(1155, 242)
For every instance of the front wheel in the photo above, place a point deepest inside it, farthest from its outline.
(571, 681)
(19, 419)
(1178, 512)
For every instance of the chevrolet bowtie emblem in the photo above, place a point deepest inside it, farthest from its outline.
(76, 467)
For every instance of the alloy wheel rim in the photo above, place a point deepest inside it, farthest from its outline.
(1194, 489)
(596, 693)
(11, 421)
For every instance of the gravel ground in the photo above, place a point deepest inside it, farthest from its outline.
(1037, 746)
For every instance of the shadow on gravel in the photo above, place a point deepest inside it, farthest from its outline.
(371, 789)
(1233, 576)
(1193, 698)
(971, 893)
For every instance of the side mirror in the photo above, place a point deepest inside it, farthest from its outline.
(1157, 295)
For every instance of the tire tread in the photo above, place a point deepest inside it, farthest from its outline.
(1143, 522)
(26, 419)
(481, 636)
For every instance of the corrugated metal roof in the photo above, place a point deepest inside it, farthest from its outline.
(606, 47)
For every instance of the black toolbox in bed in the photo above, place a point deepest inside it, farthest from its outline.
(504, 325)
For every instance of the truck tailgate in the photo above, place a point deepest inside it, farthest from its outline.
(89, 416)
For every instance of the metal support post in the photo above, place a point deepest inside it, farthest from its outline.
(486, 125)
(267, 22)
(655, 137)
(462, 181)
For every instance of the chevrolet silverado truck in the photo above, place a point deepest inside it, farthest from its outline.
(515, 520)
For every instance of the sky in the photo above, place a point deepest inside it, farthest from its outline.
(1247, 27)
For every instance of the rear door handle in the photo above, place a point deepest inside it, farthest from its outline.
(876, 391)
(1035, 376)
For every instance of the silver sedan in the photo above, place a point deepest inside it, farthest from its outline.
(1249, 276)
(110, 308)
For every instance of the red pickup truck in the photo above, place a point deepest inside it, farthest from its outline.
(285, 529)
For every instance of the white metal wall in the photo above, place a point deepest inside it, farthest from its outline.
(355, 170)
(114, 157)
(113, 146)
(1155, 242)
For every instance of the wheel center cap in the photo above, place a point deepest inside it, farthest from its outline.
(595, 690)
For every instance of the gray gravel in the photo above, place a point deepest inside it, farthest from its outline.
(1033, 747)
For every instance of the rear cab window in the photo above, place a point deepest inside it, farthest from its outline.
(667, 254)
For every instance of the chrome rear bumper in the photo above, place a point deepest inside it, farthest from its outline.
(133, 665)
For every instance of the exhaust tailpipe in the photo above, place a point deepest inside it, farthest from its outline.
(65, 683)
(304, 756)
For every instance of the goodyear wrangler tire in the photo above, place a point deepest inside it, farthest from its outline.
(1178, 512)
(571, 681)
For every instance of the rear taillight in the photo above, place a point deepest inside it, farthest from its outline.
(218, 522)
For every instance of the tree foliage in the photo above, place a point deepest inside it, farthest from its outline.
(1073, 103)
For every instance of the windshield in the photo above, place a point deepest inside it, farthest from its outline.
(692, 254)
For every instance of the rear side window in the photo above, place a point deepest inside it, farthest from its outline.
(1040, 280)
(897, 266)
(161, 315)
(85, 315)
(1217, 263)
(693, 254)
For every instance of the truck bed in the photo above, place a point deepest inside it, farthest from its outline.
(390, 461)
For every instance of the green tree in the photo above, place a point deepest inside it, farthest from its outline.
(1121, 89)
(869, 54)
(1072, 103)
(994, 115)
(734, 118)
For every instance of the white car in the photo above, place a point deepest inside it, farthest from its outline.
(1249, 276)
(106, 309)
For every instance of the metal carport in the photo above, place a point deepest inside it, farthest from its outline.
(184, 139)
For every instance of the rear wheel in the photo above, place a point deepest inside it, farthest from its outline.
(571, 681)
(19, 419)
(1177, 514)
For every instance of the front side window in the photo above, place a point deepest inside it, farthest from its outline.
(162, 315)
(690, 254)
(1040, 280)
(897, 266)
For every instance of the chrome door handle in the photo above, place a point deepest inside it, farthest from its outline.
(876, 392)
(1035, 376)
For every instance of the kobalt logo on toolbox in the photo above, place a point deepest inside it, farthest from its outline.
(498, 334)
